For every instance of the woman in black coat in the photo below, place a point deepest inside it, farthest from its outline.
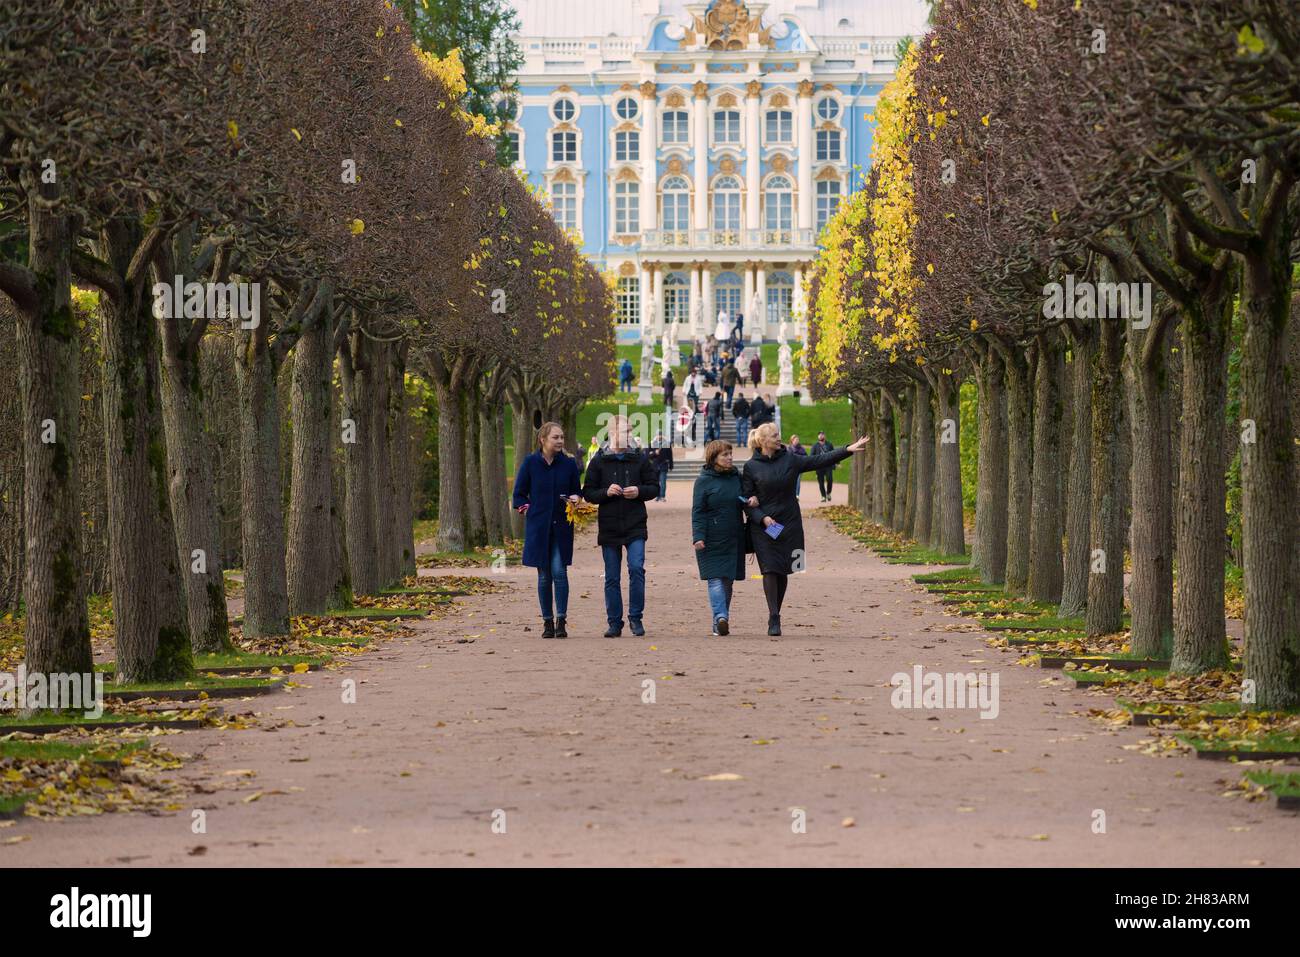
(769, 481)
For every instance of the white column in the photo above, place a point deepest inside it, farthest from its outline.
(748, 294)
(649, 157)
(806, 153)
(695, 298)
(660, 306)
(760, 287)
(701, 104)
(706, 291)
(647, 285)
(753, 153)
(797, 308)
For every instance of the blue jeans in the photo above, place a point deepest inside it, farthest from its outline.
(730, 389)
(557, 577)
(712, 428)
(720, 597)
(663, 485)
(613, 555)
(742, 430)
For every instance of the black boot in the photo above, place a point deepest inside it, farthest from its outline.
(613, 631)
(561, 630)
(774, 625)
(548, 627)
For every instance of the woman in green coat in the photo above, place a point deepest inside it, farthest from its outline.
(718, 529)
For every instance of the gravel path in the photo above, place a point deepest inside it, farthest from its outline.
(474, 716)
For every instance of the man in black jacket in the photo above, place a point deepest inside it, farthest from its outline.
(661, 459)
(759, 413)
(740, 409)
(825, 477)
(619, 480)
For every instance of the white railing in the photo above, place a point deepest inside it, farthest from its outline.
(728, 239)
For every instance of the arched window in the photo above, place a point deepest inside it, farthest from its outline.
(780, 126)
(627, 147)
(780, 297)
(726, 210)
(676, 205)
(627, 108)
(726, 126)
(677, 127)
(726, 295)
(778, 205)
(564, 205)
(828, 200)
(563, 110)
(677, 297)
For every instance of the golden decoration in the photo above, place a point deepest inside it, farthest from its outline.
(675, 165)
(778, 100)
(727, 26)
(828, 173)
(675, 99)
(726, 165)
(564, 175)
(627, 175)
(754, 88)
(701, 89)
(627, 269)
(780, 163)
(806, 88)
(649, 90)
(727, 100)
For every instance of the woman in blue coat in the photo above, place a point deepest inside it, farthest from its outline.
(548, 479)
(718, 530)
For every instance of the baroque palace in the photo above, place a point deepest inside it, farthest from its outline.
(699, 148)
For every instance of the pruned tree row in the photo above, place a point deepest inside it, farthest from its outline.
(278, 215)
(1090, 210)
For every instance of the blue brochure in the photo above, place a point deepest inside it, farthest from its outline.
(774, 529)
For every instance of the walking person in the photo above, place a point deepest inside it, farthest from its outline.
(547, 480)
(756, 370)
(661, 457)
(686, 420)
(740, 409)
(718, 530)
(625, 376)
(730, 379)
(759, 413)
(768, 483)
(825, 477)
(670, 386)
(797, 448)
(739, 330)
(619, 481)
(713, 418)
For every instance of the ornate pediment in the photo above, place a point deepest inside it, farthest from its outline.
(726, 25)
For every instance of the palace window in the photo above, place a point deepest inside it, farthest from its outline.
(512, 146)
(677, 297)
(563, 110)
(828, 200)
(627, 208)
(677, 205)
(677, 127)
(627, 301)
(828, 146)
(627, 108)
(828, 108)
(780, 297)
(780, 126)
(564, 205)
(627, 147)
(726, 126)
(778, 201)
(726, 204)
(564, 147)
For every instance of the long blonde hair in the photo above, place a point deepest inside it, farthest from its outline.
(546, 429)
(767, 429)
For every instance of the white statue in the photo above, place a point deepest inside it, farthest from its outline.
(697, 318)
(651, 311)
(785, 359)
(783, 331)
(756, 317)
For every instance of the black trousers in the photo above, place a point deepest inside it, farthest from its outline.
(825, 480)
(774, 585)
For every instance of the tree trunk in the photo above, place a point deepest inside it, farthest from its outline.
(903, 414)
(1151, 591)
(1078, 505)
(1268, 478)
(923, 417)
(493, 476)
(1200, 639)
(475, 512)
(451, 463)
(403, 467)
(149, 614)
(951, 538)
(314, 564)
(266, 586)
(1019, 469)
(1106, 520)
(1045, 561)
(56, 634)
(990, 551)
(357, 367)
